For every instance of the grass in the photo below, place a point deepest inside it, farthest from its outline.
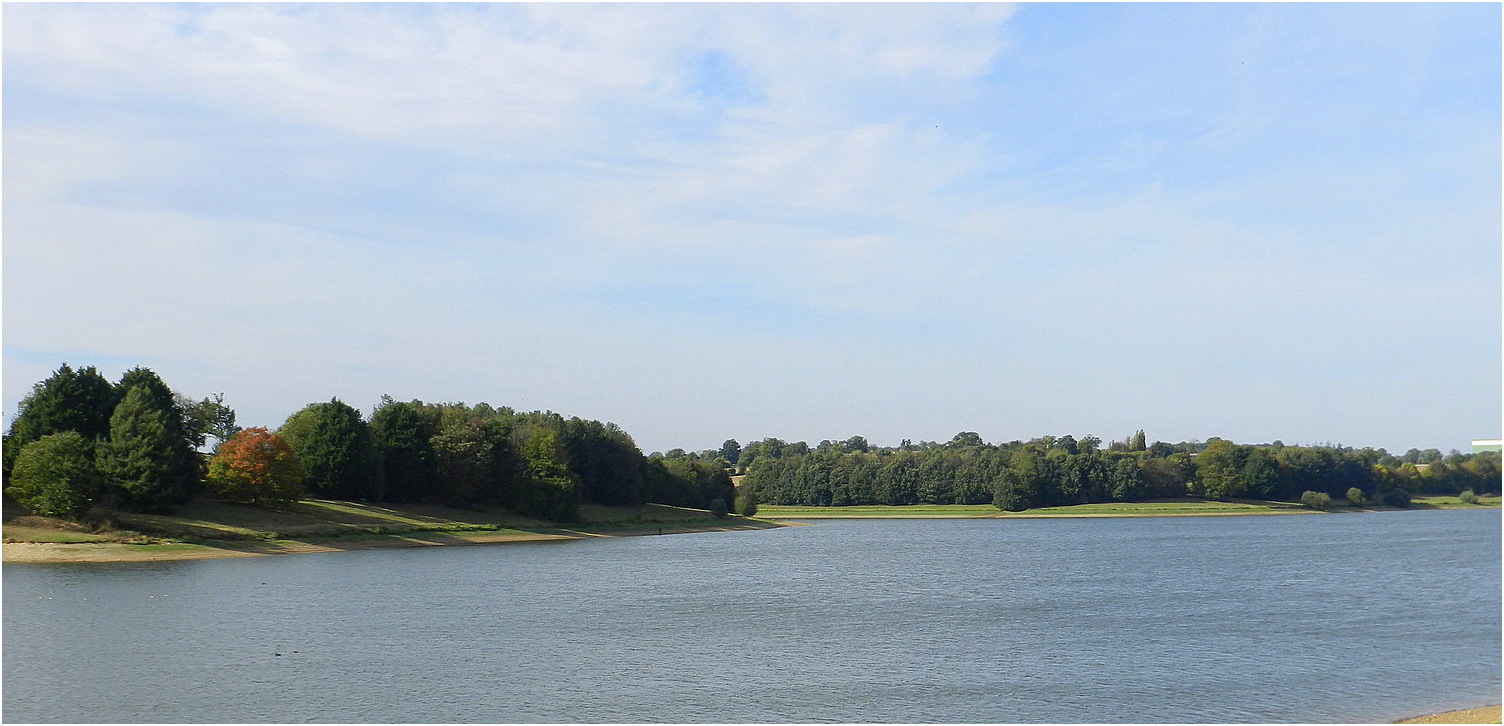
(1153, 508)
(1439, 501)
(315, 518)
(23, 533)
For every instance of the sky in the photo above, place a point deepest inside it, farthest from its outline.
(807, 221)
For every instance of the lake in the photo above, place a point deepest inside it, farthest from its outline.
(1336, 618)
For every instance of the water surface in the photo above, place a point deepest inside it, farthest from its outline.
(1356, 618)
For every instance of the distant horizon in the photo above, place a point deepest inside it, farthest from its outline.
(1256, 222)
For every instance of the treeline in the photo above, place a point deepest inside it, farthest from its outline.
(78, 441)
(1055, 471)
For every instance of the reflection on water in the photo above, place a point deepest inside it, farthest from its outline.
(1357, 618)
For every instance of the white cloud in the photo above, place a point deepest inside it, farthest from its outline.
(578, 206)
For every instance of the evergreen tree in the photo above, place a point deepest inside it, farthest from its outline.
(68, 400)
(141, 459)
(338, 460)
(185, 467)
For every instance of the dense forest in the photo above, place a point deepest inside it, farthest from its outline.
(1053, 471)
(79, 441)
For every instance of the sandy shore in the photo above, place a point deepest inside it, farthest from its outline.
(1487, 714)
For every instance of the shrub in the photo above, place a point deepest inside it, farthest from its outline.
(1397, 498)
(746, 504)
(718, 508)
(55, 475)
(1468, 497)
(1316, 500)
(1355, 495)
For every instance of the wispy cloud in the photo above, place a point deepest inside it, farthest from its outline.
(760, 220)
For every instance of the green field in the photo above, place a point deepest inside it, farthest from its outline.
(1153, 508)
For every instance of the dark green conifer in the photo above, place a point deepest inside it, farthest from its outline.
(68, 400)
(338, 460)
(140, 458)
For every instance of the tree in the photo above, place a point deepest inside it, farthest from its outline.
(68, 400)
(1127, 483)
(338, 459)
(967, 438)
(606, 460)
(1355, 496)
(401, 434)
(731, 451)
(257, 467)
(1217, 471)
(296, 429)
(1261, 476)
(184, 465)
(55, 475)
(1136, 442)
(209, 417)
(547, 488)
(466, 461)
(670, 481)
(141, 458)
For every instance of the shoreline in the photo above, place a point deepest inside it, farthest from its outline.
(194, 548)
(1486, 714)
(43, 553)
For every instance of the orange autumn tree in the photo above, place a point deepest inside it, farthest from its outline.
(258, 467)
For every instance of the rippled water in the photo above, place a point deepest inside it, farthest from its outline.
(1356, 618)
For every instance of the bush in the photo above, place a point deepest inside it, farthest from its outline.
(55, 475)
(1355, 495)
(1397, 498)
(1316, 500)
(746, 504)
(1468, 497)
(718, 508)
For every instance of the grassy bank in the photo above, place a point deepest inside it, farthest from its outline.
(223, 529)
(1182, 507)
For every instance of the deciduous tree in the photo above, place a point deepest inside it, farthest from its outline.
(257, 467)
(55, 475)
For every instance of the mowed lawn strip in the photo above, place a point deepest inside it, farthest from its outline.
(1152, 508)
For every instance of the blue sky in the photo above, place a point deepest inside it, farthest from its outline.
(1252, 221)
